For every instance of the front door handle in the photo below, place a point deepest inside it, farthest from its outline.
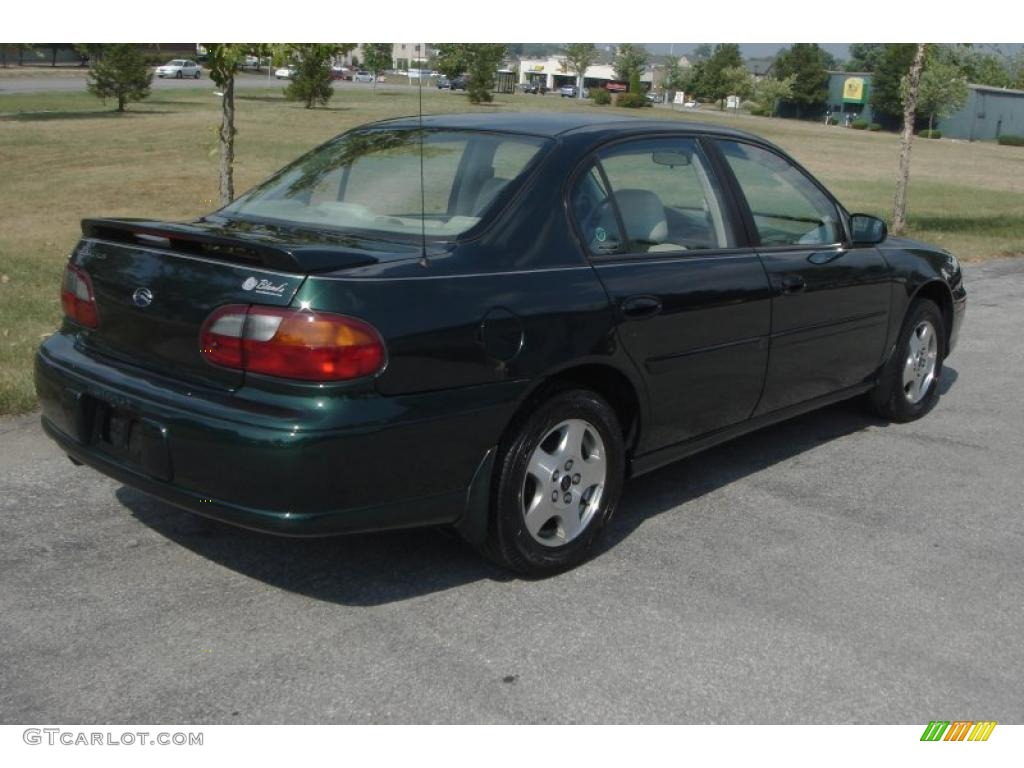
(792, 284)
(640, 307)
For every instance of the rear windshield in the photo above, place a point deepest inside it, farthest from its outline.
(371, 181)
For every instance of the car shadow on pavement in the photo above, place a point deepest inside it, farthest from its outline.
(375, 569)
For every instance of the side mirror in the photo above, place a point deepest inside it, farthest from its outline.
(867, 230)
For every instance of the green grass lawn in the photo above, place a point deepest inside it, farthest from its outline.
(65, 156)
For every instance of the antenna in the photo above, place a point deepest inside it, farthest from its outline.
(423, 193)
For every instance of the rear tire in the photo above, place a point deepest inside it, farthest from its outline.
(557, 483)
(908, 386)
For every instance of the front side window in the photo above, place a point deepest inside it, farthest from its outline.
(659, 191)
(371, 181)
(787, 207)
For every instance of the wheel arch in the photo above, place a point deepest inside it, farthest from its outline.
(938, 292)
(618, 388)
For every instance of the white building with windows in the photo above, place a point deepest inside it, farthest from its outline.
(552, 74)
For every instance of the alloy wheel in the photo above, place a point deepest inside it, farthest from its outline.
(919, 366)
(564, 483)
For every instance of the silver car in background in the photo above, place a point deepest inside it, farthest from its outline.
(179, 68)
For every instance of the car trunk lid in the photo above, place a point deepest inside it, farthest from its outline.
(156, 283)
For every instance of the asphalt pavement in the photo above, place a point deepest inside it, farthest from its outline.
(833, 569)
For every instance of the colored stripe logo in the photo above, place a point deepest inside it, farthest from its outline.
(958, 730)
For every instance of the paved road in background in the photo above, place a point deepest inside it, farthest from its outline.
(831, 569)
(41, 83)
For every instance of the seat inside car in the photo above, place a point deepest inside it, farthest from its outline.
(643, 215)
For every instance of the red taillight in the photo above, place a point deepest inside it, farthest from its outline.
(292, 343)
(77, 297)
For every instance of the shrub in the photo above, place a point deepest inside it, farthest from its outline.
(121, 74)
(601, 96)
(632, 100)
(930, 133)
(859, 125)
(1011, 140)
(874, 126)
(311, 82)
(831, 121)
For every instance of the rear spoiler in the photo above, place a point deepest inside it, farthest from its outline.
(218, 243)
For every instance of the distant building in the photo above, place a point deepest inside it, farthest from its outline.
(849, 96)
(552, 74)
(403, 55)
(988, 113)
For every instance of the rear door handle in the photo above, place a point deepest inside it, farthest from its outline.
(640, 307)
(792, 284)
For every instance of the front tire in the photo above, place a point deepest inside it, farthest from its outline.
(178, 76)
(908, 386)
(558, 481)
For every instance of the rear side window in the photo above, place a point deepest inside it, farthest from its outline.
(787, 207)
(650, 196)
(371, 181)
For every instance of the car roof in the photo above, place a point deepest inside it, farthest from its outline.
(552, 124)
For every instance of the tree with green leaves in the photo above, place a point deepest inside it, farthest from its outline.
(577, 57)
(451, 59)
(701, 53)
(807, 64)
(886, 91)
(736, 81)
(311, 83)
(629, 63)
(677, 77)
(710, 82)
(479, 61)
(223, 60)
(975, 65)
(864, 57)
(769, 91)
(122, 74)
(377, 58)
(941, 92)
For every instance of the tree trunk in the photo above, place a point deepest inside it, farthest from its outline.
(579, 86)
(120, 103)
(227, 143)
(899, 211)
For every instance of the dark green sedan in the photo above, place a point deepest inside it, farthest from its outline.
(486, 322)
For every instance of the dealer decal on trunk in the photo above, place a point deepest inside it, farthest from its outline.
(264, 287)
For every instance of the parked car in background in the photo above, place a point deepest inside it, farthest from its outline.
(691, 104)
(287, 72)
(179, 68)
(532, 86)
(341, 73)
(655, 97)
(362, 76)
(571, 91)
(457, 83)
(567, 302)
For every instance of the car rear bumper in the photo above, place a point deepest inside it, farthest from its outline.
(372, 463)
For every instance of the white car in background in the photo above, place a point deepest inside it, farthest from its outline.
(179, 68)
(287, 72)
(362, 76)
